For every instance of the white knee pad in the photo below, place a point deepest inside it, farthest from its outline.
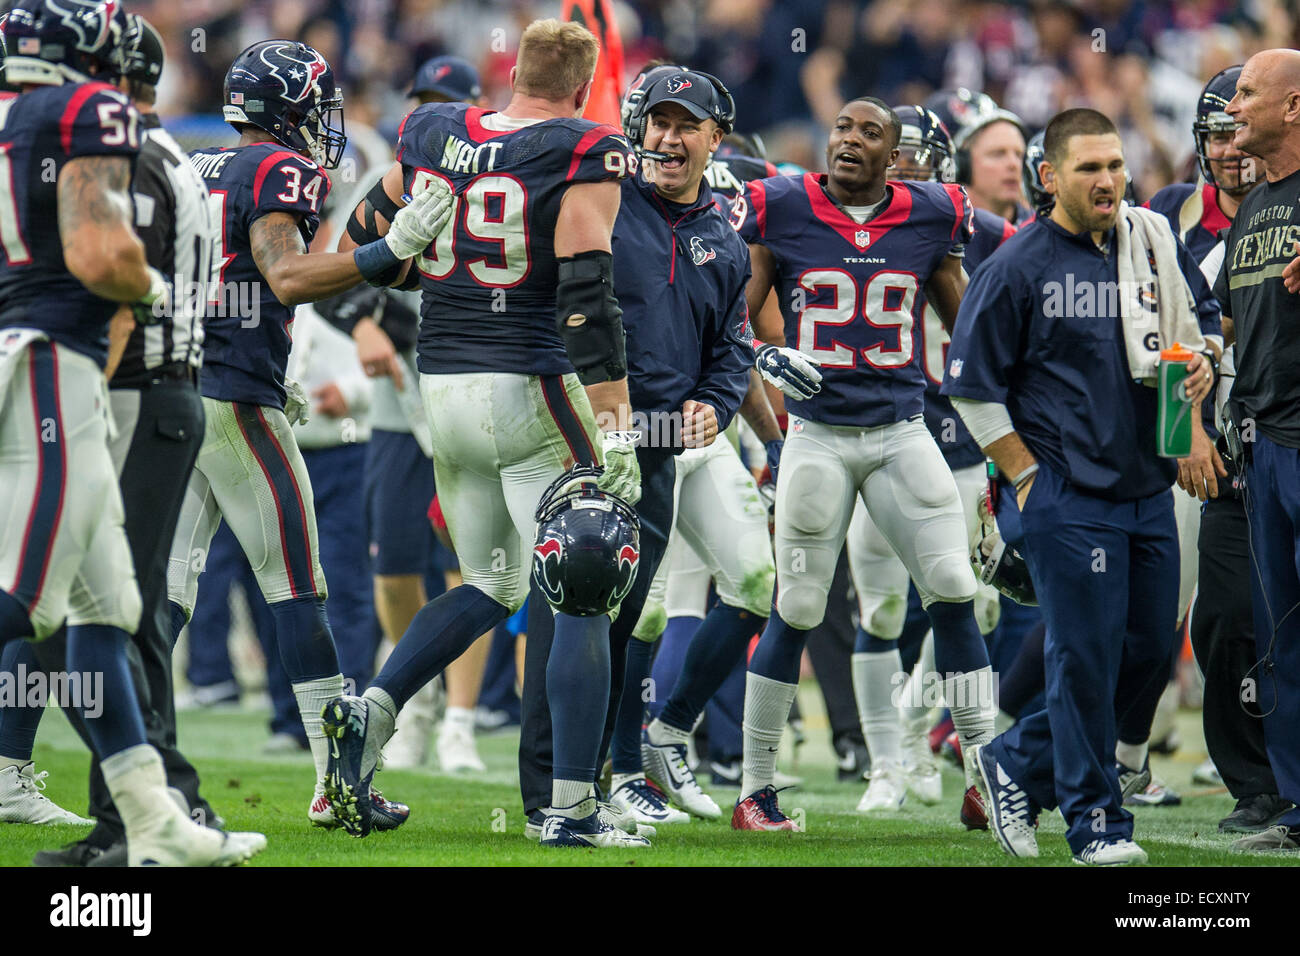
(753, 591)
(951, 580)
(802, 606)
(882, 615)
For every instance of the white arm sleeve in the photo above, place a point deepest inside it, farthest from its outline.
(986, 421)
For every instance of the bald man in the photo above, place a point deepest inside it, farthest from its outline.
(1256, 287)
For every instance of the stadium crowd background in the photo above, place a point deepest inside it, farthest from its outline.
(789, 63)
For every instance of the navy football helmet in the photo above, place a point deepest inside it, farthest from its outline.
(588, 545)
(958, 108)
(5, 85)
(1030, 175)
(1212, 118)
(52, 42)
(998, 563)
(924, 146)
(142, 51)
(287, 89)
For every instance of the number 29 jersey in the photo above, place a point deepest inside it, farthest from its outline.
(40, 132)
(489, 278)
(847, 289)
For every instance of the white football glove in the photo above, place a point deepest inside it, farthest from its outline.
(794, 373)
(418, 222)
(297, 406)
(622, 476)
(156, 303)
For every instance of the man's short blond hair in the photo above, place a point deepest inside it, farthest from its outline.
(555, 58)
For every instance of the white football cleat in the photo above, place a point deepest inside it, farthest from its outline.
(667, 768)
(887, 790)
(594, 830)
(1118, 853)
(646, 803)
(1013, 818)
(924, 779)
(21, 800)
(457, 751)
(321, 811)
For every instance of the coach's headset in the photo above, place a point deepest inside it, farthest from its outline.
(722, 110)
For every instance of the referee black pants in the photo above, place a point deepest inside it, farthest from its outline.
(165, 437)
(1223, 637)
(655, 509)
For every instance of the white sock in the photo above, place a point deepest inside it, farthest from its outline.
(7, 762)
(459, 717)
(660, 733)
(915, 704)
(574, 799)
(767, 708)
(383, 716)
(1132, 756)
(312, 696)
(1002, 722)
(971, 701)
(617, 780)
(874, 686)
(138, 785)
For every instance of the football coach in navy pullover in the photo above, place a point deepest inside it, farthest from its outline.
(680, 273)
(1045, 388)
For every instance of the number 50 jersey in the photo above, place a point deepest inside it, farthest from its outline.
(847, 290)
(40, 131)
(489, 279)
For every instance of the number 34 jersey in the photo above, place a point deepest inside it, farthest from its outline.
(40, 132)
(848, 290)
(246, 328)
(489, 279)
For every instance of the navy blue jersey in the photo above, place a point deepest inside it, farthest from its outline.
(489, 279)
(40, 132)
(1029, 335)
(247, 330)
(1193, 213)
(949, 431)
(727, 175)
(847, 290)
(680, 272)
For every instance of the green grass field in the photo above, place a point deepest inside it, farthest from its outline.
(457, 821)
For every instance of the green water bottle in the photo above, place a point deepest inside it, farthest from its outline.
(1174, 423)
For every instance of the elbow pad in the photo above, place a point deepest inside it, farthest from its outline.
(596, 344)
(375, 201)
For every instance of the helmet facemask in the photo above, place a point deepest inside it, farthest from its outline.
(322, 131)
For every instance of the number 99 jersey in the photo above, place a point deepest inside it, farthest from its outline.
(847, 290)
(489, 279)
(40, 132)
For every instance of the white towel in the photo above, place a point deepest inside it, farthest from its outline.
(1157, 307)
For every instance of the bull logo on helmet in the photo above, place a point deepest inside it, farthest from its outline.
(90, 20)
(677, 84)
(628, 559)
(298, 74)
(547, 556)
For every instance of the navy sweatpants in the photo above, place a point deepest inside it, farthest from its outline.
(1273, 507)
(1106, 574)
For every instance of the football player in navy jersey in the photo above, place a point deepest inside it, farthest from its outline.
(848, 253)
(517, 295)
(68, 257)
(267, 192)
(901, 760)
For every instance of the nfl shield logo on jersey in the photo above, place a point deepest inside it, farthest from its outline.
(862, 238)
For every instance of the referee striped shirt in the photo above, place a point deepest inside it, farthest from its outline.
(174, 221)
